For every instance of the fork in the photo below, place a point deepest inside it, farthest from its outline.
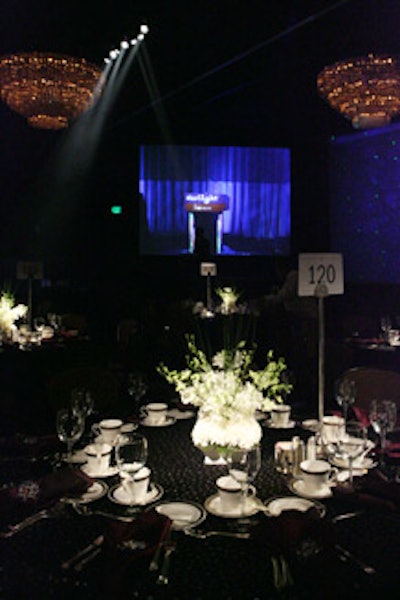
(45, 513)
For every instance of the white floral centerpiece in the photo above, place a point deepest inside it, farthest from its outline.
(228, 391)
(229, 297)
(9, 313)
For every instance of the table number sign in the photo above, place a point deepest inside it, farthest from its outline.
(320, 274)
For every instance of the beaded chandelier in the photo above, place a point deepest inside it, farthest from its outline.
(365, 90)
(48, 89)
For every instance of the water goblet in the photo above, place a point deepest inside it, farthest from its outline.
(70, 426)
(351, 445)
(130, 454)
(82, 401)
(382, 416)
(345, 393)
(243, 466)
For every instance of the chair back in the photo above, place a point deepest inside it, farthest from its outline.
(373, 384)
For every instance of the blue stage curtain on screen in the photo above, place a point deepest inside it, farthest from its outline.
(255, 180)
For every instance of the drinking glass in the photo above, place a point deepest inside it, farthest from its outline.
(136, 386)
(82, 401)
(352, 444)
(382, 416)
(130, 454)
(386, 325)
(345, 393)
(243, 466)
(70, 426)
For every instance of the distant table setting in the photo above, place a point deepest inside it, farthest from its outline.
(130, 508)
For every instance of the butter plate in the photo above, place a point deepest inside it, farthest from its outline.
(213, 506)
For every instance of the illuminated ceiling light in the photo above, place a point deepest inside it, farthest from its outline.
(124, 44)
(365, 90)
(140, 37)
(50, 90)
(144, 29)
(134, 42)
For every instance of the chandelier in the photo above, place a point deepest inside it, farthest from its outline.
(48, 89)
(365, 90)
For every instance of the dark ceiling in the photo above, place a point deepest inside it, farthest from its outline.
(225, 71)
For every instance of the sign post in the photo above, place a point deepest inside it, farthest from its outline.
(208, 269)
(320, 275)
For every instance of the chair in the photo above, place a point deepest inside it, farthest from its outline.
(373, 384)
(102, 384)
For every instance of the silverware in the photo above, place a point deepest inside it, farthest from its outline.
(75, 558)
(347, 556)
(202, 535)
(88, 558)
(170, 547)
(155, 563)
(45, 513)
(345, 516)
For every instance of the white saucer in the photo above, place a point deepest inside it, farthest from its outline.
(182, 514)
(297, 486)
(119, 495)
(275, 506)
(99, 439)
(180, 415)
(358, 464)
(168, 421)
(97, 490)
(110, 472)
(78, 457)
(213, 506)
(310, 425)
(289, 425)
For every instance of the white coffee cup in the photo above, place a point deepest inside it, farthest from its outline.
(333, 428)
(317, 474)
(98, 457)
(155, 413)
(280, 415)
(108, 429)
(137, 485)
(230, 493)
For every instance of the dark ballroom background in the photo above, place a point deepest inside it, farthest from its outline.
(212, 73)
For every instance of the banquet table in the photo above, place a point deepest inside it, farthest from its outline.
(214, 568)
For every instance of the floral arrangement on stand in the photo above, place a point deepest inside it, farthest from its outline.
(228, 390)
(10, 313)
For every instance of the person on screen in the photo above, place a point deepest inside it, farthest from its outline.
(201, 244)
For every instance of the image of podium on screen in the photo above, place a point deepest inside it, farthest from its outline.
(204, 212)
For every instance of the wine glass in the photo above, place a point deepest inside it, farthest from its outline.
(82, 401)
(243, 466)
(386, 325)
(345, 393)
(352, 444)
(70, 426)
(130, 454)
(136, 386)
(382, 416)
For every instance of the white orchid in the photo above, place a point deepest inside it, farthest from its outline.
(227, 392)
(9, 312)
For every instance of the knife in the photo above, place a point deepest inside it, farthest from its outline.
(346, 556)
(76, 557)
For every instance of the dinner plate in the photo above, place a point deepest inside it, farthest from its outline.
(119, 495)
(97, 490)
(180, 415)
(110, 472)
(213, 506)
(168, 421)
(277, 505)
(297, 487)
(288, 425)
(182, 514)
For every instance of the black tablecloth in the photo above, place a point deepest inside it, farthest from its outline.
(216, 568)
